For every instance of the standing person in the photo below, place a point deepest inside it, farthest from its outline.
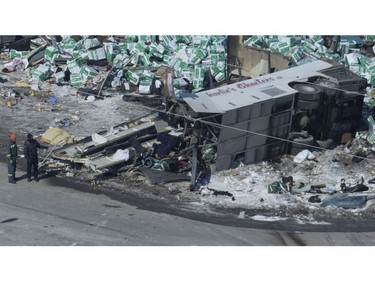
(31, 155)
(12, 154)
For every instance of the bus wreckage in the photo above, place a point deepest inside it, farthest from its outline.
(245, 122)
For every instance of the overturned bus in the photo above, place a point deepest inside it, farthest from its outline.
(283, 112)
(243, 122)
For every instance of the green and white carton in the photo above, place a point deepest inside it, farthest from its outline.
(145, 59)
(216, 69)
(42, 72)
(166, 58)
(214, 58)
(286, 39)
(17, 54)
(361, 71)
(156, 64)
(73, 66)
(351, 43)
(131, 38)
(198, 83)
(76, 79)
(173, 46)
(218, 38)
(51, 53)
(204, 42)
(216, 49)
(254, 40)
(144, 86)
(371, 68)
(96, 54)
(90, 43)
(81, 56)
(130, 46)
(88, 72)
(364, 61)
(197, 56)
(371, 138)
(187, 73)
(372, 79)
(199, 71)
(135, 59)
(297, 56)
(317, 39)
(274, 46)
(308, 46)
(146, 38)
(156, 49)
(118, 61)
(140, 47)
(175, 62)
(155, 52)
(206, 62)
(220, 76)
(351, 59)
(332, 56)
(160, 48)
(269, 41)
(167, 38)
(186, 39)
(69, 46)
(283, 48)
(123, 47)
(321, 49)
(59, 76)
(111, 50)
(147, 74)
(132, 77)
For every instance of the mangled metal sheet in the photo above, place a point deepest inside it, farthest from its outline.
(103, 162)
(75, 151)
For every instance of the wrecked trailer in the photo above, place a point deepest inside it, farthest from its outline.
(252, 120)
(104, 142)
(145, 142)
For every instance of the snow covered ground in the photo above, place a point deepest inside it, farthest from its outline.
(248, 185)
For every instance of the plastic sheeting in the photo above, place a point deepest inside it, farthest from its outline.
(348, 202)
(98, 139)
(121, 154)
(57, 136)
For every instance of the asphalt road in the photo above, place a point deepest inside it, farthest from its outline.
(46, 214)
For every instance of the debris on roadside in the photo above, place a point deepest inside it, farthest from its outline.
(200, 121)
(347, 202)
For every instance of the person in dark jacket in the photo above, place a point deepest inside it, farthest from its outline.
(12, 154)
(31, 155)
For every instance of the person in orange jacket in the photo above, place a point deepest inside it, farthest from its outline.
(12, 154)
